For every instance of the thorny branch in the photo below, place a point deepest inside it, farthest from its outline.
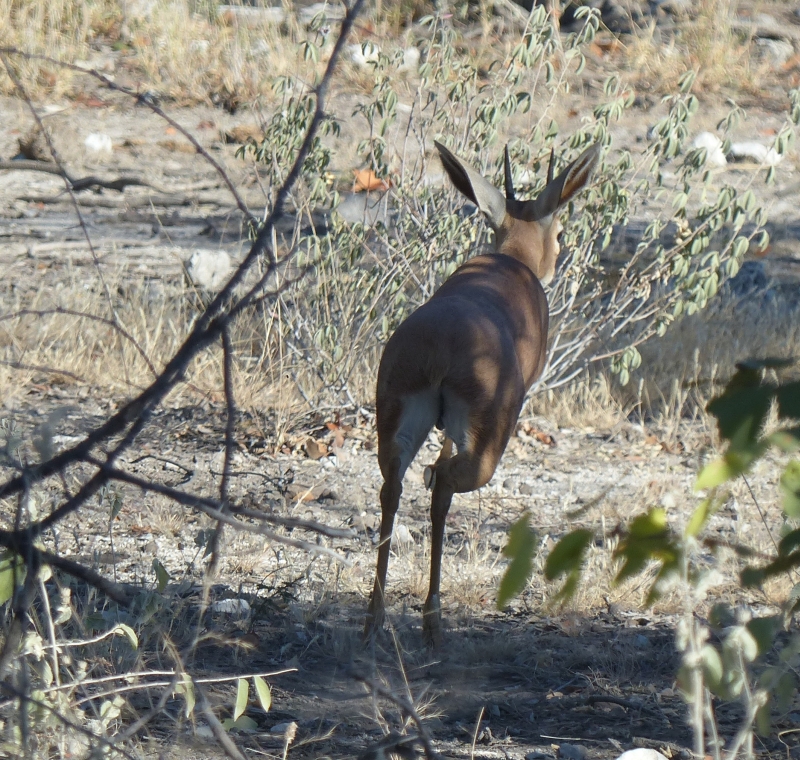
(210, 327)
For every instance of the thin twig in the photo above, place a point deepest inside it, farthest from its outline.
(140, 100)
(407, 708)
(207, 328)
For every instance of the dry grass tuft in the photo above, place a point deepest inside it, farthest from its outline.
(706, 43)
(173, 48)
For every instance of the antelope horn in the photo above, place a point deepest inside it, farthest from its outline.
(509, 178)
(551, 166)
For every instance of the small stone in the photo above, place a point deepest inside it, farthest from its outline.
(713, 146)
(96, 142)
(209, 269)
(641, 641)
(402, 535)
(641, 753)
(776, 52)
(526, 489)
(572, 752)
(754, 151)
(508, 484)
(236, 608)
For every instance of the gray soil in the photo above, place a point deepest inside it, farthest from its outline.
(534, 675)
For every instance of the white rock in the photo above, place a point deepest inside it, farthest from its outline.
(234, 607)
(97, 142)
(282, 728)
(209, 269)
(364, 55)
(754, 151)
(713, 146)
(410, 59)
(402, 535)
(777, 51)
(641, 753)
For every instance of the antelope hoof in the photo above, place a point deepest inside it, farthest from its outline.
(432, 623)
(429, 476)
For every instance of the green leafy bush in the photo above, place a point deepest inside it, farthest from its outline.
(733, 669)
(605, 302)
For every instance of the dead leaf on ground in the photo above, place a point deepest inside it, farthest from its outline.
(242, 134)
(526, 429)
(177, 146)
(299, 492)
(315, 449)
(90, 101)
(365, 180)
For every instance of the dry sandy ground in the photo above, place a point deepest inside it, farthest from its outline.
(535, 674)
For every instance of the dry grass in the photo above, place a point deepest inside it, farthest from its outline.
(177, 50)
(706, 43)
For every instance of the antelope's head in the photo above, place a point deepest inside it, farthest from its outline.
(526, 230)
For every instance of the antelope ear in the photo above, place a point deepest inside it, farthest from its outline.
(474, 186)
(565, 185)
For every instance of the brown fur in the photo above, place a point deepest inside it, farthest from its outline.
(472, 351)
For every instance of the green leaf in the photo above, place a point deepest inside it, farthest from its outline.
(711, 664)
(754, 576)
(186, 687)
(650, 524)
(648, 540)
(731, 465)
(567, 555)
(12, 570)
(244, 723)
(263, 693)
(784, 690)
(520, 548)
(763, 630)
(162, 576)
(751, 577)
(763, 714)
(242, 694)
(790, 489)
(787, 440)
(699, 518)
(789, 542)
(129, 633)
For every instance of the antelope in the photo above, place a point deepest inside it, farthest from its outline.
(465, 359)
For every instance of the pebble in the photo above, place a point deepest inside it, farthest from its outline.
(754, 151)
(641, 753)
(209, 269)
(713, 146)
(572, 752)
